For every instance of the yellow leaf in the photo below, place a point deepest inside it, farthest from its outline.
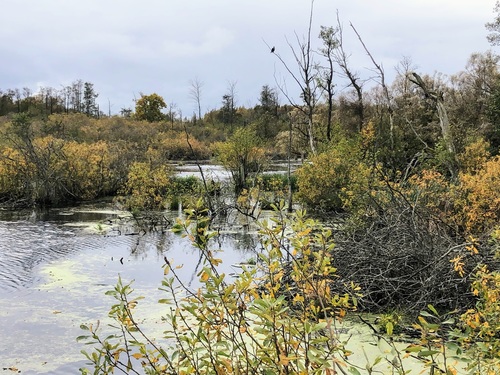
(204, 276)
(216, 261)
(298, 298)
(304, 232)
(137, 355)
(284, 360)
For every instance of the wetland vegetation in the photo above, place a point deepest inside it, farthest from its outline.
(401, 186)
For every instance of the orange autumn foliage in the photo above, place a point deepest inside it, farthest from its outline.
(470, 206)
(480, 197)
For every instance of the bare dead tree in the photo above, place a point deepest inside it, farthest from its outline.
(342, 60)
(172, 114)
(381, 81)
(306, 79)
(404, 67)
(228, 110)
(195, 92)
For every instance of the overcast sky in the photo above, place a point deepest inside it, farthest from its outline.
(127, 47)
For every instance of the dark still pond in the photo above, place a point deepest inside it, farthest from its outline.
(56, 266)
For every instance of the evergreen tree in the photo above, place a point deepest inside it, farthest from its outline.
(90, 107)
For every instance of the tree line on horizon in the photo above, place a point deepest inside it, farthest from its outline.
(417, 107)
(416, 122)
(77, 97)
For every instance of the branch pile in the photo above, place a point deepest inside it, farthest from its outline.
(402, 258)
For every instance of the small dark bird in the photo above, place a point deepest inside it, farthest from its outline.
(273, 49)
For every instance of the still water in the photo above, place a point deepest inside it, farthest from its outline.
(56, 266)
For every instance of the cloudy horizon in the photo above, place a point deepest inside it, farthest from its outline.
(126, 48)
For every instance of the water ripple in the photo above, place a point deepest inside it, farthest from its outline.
(24, 245)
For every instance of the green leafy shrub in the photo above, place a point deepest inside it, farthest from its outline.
(242, 156)
(280, 316)
(276, 182)
(183, 189)
(273, 188)
(481, 325)
(334, 180)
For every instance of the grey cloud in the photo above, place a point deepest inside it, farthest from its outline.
(125, 46)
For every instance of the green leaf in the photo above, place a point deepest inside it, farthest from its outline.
(413, 348)
(319, 326)
(426, 314)
(433, 327)
(428, 353)
(432, 309)
(354, 371)
(377, 361)
(483, 347)
(389, 327)
(454, 348)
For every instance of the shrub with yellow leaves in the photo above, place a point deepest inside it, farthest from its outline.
(147, 186)
(481, 324)
(480, 197)
(270, 319)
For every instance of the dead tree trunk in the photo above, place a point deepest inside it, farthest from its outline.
(444, 122)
